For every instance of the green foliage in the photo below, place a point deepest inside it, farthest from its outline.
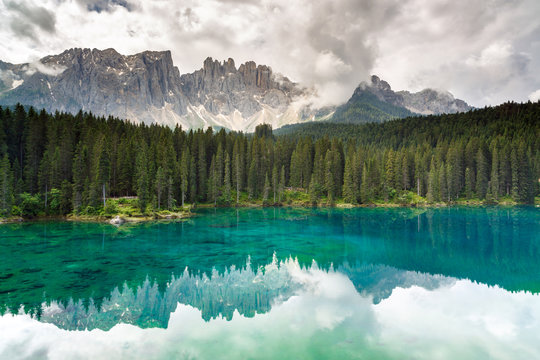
(66, 163)
(30, 205)
(111, 207)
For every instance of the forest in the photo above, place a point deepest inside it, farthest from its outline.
(57, 164)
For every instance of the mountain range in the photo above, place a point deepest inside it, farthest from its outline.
(147, 87)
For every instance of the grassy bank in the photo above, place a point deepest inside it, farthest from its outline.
(300, 198)
(127, 208)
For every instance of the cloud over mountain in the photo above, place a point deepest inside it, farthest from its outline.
(485, 52)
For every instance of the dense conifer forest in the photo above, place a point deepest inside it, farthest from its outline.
(61, 163)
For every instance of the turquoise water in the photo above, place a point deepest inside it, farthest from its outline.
(276, 283)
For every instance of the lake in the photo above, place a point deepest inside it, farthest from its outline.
(276, 283)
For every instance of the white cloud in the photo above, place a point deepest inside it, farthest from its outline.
(326, 317)
(483, 52)
(51, 70)
(535, 96)
(7, 77)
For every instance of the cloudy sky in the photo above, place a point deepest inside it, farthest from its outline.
(483, 51)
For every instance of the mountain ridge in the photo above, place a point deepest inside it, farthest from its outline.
(147, 87)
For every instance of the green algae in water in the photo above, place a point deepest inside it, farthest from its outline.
(311, 283)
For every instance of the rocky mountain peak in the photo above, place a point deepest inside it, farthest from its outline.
(431, 101)
(147, 87)
(222, 89)
(427, 101)
(379, 84)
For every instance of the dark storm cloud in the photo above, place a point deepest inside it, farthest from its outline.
(24, 19)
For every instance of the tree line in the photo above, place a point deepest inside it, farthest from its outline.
(61, 163)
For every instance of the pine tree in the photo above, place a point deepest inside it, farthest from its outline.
(349, 189)
(184, 173)
(170, 197)
(80, 176)
(213, 181)
(192, 180)
(238, 169)
(365, 188)
(101, 173)
(227, 179)
(252, 180)
(35, 146)
(143, 178)
(202, 171)
(6, 186)
(515, 174)
(494, 183)
(405, 171)
(433, 194)
(452, 182)
(468, 184)
(275, 181)
(161, 185)
(505, 170)
(66, 193)
(281, 189)
(266, 190)
(389, 173)
(526, 183)
(482, 175)
(220, 160)
(316, 191)
(329, 181)
(443, 184)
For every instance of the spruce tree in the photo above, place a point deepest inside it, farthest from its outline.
(365, 187)
(494, 182)
(266, 190)
(213, 181)
(252, 180)
(281, 190)
(482, 175)
(349, 189)
(143, 177)
(202, 172)
(184, 173)
(468, 184)
(275, 181)
(227, 178)
(6, 186)
(515, 174)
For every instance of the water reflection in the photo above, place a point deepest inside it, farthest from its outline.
(87, 276)
(243, 291)
(325, 318)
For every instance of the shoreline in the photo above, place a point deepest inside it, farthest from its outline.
(101, 219)
(121, 219)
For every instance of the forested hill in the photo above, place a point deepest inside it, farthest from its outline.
(61, 163)
(509, 120)
(365, 107)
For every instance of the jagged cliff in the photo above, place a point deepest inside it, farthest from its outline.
(147, 87)
(103, 82)
(426, 102)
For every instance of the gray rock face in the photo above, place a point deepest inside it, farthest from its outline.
(427, 101)
(103, 82)
(222, 89)
(147, 87)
